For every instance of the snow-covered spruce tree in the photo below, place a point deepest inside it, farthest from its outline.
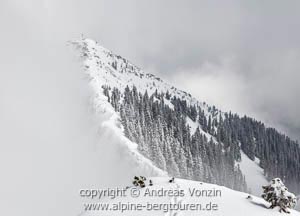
(277, 194)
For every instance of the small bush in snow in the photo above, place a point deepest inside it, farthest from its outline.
(278, 195)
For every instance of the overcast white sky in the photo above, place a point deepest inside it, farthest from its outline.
(242, 56)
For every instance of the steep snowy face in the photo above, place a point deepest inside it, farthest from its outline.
(254, 174)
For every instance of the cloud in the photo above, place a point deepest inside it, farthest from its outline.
(50, 143)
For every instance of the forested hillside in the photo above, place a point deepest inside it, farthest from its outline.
(164, 136)
(210, 151)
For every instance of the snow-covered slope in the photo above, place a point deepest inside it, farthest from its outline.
(210, 200)
(254, 174)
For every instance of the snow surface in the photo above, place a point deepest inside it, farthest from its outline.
(193, 127)
(254, 174)
(193, 124)
(230, 202)
(168, 103)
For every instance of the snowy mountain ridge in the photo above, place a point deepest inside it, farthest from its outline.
(113, 70)
(105, 68)
(108, 71)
